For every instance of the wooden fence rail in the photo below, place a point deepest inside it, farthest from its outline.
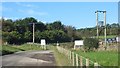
(77, 60)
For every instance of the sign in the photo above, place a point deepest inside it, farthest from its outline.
(78, 42)
(118, 39)
(43, 42)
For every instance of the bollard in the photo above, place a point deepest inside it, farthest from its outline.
(77, 60)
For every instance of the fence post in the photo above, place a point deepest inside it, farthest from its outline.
(96, 65)
(81, 63)
(77, 60)
(70, 56)
(73, 58)
(87, 63)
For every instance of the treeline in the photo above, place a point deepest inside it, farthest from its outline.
(21, 31)
(112, 29)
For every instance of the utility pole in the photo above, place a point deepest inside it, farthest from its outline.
(97, 23)
(104, 12)
(33, 33)
(105, 28)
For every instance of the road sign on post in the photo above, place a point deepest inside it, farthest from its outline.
(43, 43)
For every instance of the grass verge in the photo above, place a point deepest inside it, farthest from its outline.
(61, 59)
(9, 49)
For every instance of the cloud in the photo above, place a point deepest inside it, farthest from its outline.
(33, 12)
(26, 5)
(13, 18)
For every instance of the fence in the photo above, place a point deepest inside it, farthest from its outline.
(77, 60)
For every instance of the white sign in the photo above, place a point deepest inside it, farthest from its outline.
(78, 42)
(118, 39)
(43, 42)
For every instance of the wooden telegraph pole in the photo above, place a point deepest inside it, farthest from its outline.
(104, 12)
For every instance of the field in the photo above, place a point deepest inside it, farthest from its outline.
(104, 58)
(109, 36)
(9, 49)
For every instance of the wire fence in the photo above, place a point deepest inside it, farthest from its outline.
(78, 60)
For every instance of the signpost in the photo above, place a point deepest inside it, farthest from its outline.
(43, 44)
(78, 43)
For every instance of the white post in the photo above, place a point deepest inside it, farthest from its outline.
(77, 60)
(70, 56)
(81, 63)
(97, 23)
(105, 28)
(33, 32)
(73, 58)
(96, 65)
(87, 63)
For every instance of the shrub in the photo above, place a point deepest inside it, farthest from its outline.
(90, 44)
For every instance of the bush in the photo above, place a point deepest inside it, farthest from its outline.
(90, 44)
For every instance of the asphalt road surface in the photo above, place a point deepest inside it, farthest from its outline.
(29, 58)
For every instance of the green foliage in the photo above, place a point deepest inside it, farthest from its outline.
(112, 29)
(90, 43)
(6, 49)
(28, 36)
(21, 31)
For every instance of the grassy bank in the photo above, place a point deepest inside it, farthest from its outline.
(105, 58)
(61, 59)
(9, 49)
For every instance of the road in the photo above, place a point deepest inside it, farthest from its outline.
(29, 58)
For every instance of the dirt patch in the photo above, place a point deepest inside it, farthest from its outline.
(46, 57)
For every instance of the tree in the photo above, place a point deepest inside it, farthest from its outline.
(56, 25)
(90, 44)
(28, 36)
(16, 38)
(70, 31)
(7, 26)
(6, 37)
(40, 26)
